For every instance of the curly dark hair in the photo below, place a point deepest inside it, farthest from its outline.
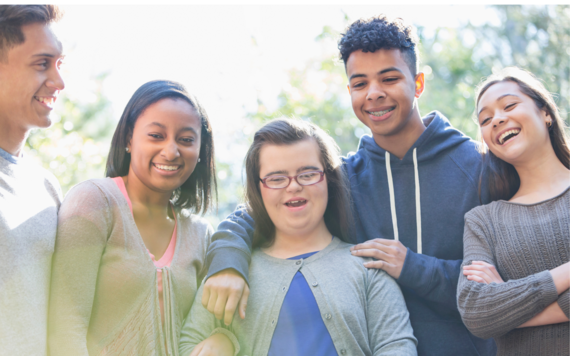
(381, 33)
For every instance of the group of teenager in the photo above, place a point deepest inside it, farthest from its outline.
(422, 242)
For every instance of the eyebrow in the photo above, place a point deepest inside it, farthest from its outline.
(188, 128)
(498, 99)
(391, 69)
(50, 55)
(304, 168)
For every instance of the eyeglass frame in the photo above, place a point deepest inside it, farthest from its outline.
(291, 179)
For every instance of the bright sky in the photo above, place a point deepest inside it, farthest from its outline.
(228, 56)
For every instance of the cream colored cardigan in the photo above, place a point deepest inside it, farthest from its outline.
(104, 295)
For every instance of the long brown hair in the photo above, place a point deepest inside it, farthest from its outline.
(501, 177)
(338, 216)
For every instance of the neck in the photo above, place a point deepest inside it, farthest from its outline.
(146, 202)
(293, 243)
(399, 143)
(12, 138)
(541, 177)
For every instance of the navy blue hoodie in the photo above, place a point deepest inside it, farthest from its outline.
(446, 173)
(444, 181)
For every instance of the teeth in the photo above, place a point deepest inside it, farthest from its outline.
(507, 133)
(295, 201)
(380, 113)
(166, 168)
(45, 100)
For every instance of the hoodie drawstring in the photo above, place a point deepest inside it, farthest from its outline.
(393, 201)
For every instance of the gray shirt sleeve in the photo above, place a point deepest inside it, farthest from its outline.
(491, 310)
(201, 324)
(81, 239)
(389, 328)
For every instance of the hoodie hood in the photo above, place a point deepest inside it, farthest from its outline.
(438, 137)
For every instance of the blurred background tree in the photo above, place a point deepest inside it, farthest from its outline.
(454, 61)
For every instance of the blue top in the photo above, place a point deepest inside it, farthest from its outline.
(448, 168)
(300, 329)
(9, 157)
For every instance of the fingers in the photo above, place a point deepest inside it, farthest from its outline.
(479, 272)
(380, 265)
(219, 306)
(476, 279)
(230, 308)
(243, 302)
(206, 294)
(373, 244)
(374, 253)
(490, 269)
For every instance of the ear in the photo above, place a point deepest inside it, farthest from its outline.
(129, 139)
(348, 87)
(420, 84)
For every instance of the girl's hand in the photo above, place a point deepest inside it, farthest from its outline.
(215, 345)
(482, 272)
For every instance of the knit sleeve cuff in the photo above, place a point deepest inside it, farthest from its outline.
(230, 336)
(545, 283)
(564, 302)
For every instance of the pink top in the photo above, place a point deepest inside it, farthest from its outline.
(166, 258)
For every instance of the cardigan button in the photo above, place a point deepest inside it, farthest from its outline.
(284, 289)
(343, 351)
(328, 316)
(298, 262)
(315, 284)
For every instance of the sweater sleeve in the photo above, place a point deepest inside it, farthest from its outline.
(83, 227)
(389, 328)
(201, 324)
(231, 244)
(492, 310)
(431, 278)
(564, 302)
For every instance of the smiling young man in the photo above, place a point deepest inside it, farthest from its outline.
(412, 182)
(30, 56)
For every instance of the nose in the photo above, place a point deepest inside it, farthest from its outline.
(170, 150)
(55, 81)
(498, 120)
(294, 186)
(375, 91)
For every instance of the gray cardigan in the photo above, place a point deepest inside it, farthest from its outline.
(524, 242)
(363, 309)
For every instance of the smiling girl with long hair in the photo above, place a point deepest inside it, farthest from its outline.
(516, 273)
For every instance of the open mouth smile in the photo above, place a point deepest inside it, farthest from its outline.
(47, 101)
(507, 135)
(295, 203)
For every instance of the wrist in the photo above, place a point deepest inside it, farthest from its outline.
(561, 277)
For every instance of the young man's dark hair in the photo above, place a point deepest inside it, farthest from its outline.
(30, 81)
(13, 17)
(381, 33)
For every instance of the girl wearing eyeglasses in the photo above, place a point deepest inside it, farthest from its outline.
(308, 294)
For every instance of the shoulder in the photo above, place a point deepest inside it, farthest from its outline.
(356, 162)
(88, 197)
(482, 214)
(195, 227)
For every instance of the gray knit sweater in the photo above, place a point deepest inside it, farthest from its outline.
(29, 199)
(363, 309)
(524, 242)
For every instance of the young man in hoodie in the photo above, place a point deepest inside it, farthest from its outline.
(30, 56)
(412, 181)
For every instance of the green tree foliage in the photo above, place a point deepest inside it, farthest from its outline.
(454, 61)
(75, 148)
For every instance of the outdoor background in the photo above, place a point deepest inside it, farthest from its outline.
(249, 64)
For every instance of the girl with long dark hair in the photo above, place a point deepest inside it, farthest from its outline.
(129, 254)
(308, 294)
(516, 273)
